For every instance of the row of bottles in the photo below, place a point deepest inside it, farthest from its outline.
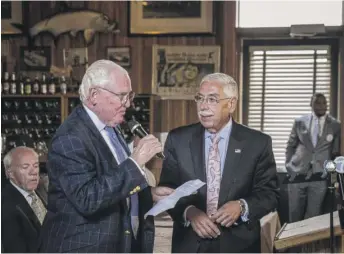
(26, 86)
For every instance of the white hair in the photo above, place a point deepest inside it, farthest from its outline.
(230, 87)
(8, 158)
(98, 74)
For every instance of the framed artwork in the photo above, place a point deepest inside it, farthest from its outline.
(35, 58)
(75, 57)
(119, 55)
(11, 13)
(178, 70)
(170, 17)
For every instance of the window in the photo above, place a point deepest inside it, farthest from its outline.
(280, 80)
(287, 13)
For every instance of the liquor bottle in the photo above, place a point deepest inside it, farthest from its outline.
(6, 84)
(21, 86)
(44, 86)
(28, 86)
(52, 86)
(13, 84)
(63, 85)
(35, 86)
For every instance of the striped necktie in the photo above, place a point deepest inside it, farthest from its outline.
(134, 199)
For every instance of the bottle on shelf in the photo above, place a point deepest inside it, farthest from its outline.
(63, 85)
(28, 86)
(6, 83)
(13, 84)
(44, 86)
(35, 86)
(52, 86)
(21, 86)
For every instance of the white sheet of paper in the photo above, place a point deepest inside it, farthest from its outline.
(170, 201)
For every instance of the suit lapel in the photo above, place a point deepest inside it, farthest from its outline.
(23, 207)
(197, 153)
(233, 155)
(307, 122)
(99, 140)
(325, 131)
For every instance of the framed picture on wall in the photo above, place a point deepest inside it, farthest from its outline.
(35, 58)
(119, 55)
(170, 17)
(75, 57)
(11, 15)
(178, 70)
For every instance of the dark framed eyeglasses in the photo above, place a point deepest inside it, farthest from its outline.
(123, 97)
(210, 100)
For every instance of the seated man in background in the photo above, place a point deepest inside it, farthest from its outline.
(22, 210)
(314, 139)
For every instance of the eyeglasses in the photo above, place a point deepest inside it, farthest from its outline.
(123, 97)
(210, 100)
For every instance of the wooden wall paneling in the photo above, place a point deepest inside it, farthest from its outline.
(173, 113)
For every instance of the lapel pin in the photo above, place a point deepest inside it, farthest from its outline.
(237, 150)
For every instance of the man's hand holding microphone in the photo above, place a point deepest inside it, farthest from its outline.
(145, 149)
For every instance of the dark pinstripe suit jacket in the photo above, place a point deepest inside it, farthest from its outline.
(87, 208)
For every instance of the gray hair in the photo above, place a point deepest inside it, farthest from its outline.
(8, 158)
(98, 74)
(230, 87)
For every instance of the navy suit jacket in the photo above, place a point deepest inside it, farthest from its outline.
(87, 207)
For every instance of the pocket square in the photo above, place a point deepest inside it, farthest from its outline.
(237, 150)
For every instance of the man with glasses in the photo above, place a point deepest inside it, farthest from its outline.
(98, 193)
(236, 163)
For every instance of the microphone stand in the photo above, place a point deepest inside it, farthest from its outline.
(333, 180)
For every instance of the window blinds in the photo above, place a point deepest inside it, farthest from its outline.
(282, 80)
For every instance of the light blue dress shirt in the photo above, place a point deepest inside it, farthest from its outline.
(225, 134)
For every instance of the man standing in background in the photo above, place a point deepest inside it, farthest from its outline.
(314, 139)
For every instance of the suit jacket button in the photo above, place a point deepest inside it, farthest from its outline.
(127, 232)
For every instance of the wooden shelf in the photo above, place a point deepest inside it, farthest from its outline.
(58, 95)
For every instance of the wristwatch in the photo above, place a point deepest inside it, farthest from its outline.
(242, 207)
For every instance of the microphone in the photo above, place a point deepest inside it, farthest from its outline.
(137, 130)
(340, 170)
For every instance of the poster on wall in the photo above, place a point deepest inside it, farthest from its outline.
(178, 70)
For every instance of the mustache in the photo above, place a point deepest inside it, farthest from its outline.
(205, 113)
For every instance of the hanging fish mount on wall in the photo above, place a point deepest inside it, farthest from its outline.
(73, 21)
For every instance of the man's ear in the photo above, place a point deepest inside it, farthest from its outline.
(232, 104)
(93, 96)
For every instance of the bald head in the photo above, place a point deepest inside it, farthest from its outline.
(22, 167)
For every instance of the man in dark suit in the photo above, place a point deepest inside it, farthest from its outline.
(238, 166)
(22, 209)
(98, 195)
(314, 138)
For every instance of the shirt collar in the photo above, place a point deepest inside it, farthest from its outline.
(99, 124)
(322, 118)
(223, 133)
(23, 192)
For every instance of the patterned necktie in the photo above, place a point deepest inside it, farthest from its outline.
(134, 199)
(38, 207)
(315, 133)
(213, 176)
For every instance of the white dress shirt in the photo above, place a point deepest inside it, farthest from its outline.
(101, 128)
(321, 123)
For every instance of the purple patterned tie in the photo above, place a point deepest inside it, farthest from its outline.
(213, 176)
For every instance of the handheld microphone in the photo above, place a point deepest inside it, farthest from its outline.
(137, 130)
